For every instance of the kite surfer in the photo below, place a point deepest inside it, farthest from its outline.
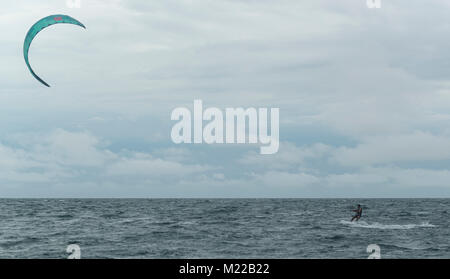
(358, 214)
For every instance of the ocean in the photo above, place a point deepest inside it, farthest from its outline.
(224, 228)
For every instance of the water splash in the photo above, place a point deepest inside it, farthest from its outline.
(375, 225)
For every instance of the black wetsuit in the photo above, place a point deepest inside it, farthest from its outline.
(358, 214)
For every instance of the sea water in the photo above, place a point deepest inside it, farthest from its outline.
(224, 228)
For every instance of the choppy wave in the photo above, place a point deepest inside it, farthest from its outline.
(376, 225)
(224, 228)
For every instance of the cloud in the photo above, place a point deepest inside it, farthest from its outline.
(289, 156)
(281, 179)
(147, 166)
(414, 147)
(65, 163)
(363, 97)
(63, 156)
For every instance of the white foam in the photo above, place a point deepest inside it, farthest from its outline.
(375, 225)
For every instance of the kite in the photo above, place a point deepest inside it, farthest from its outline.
(36, 28)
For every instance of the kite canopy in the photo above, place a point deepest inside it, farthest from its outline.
(36, 28)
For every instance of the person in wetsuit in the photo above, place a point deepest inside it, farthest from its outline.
(358, 214)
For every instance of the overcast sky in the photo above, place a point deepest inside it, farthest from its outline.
(364, 98)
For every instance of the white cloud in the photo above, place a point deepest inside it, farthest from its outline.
(414, 147)
(147, 166)
(363, 96)
(289, 156)
(62, 156)
(280, 179)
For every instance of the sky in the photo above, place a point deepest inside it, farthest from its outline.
(364, 98)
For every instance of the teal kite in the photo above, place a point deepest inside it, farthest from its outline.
(36, 28)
